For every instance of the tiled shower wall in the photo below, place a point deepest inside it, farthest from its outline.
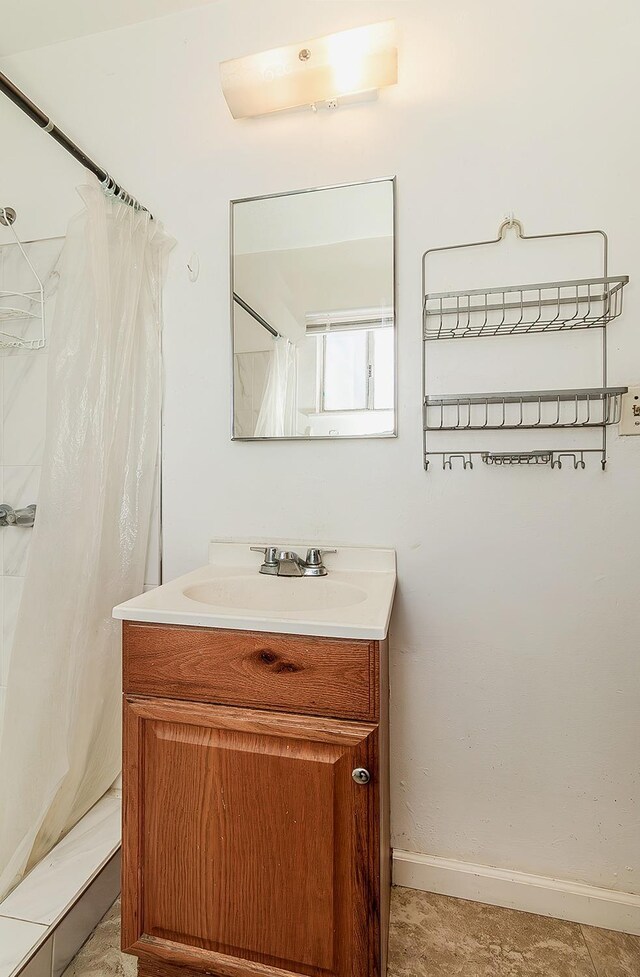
(250, 378)
(23, 390)
(23, 383)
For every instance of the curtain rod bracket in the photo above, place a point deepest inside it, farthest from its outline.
(7, 216)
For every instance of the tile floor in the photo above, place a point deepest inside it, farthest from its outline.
(436, 936)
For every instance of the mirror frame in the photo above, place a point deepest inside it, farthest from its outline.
(394, 280)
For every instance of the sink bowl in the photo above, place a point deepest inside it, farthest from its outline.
(354, 601)
(265, 593)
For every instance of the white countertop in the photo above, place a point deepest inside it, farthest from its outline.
(354, 600)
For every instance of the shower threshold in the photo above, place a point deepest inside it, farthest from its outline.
(47, 918)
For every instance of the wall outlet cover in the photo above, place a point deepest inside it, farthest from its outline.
(630, 417)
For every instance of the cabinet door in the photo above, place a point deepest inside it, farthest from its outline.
(248, 847)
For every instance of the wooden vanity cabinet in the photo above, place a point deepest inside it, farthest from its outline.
(249, 847)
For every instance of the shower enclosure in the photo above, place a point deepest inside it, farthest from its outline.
(79, 425)
(79, 450)
(25, 921)
(83, 872)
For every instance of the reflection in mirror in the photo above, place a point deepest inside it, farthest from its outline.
(313, 313)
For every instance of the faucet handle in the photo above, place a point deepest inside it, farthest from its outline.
(315, 555)
(270, 554)
(23, 517)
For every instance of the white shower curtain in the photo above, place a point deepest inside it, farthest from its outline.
(60, 748)
(279, 409)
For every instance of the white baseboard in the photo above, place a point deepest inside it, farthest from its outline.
(516, 890)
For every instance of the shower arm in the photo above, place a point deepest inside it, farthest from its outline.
(36, 115)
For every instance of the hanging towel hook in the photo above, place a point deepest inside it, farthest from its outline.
(193, 267)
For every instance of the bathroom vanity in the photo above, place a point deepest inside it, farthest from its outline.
(256, 801)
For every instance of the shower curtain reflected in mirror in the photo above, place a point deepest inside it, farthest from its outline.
(60, 746)
(279, 409)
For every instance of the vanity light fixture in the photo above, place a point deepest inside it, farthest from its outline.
(317, 72)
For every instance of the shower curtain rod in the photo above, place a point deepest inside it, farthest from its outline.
(256, 315)
(36, 115)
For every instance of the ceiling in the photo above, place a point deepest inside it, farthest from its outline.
(27, 24)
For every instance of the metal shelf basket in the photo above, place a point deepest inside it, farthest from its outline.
(520, 309)
(524, 410)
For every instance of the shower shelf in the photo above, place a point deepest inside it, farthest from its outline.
(21, 307)
(519, 309)
(531, 309)
(555, 458)
(524, 410)
(517, 457)
(30, 308)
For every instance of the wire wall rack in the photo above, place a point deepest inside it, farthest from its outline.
(543, 307)
(525, 410)
(20, 308)
(520, 309)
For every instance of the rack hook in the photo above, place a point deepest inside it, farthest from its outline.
(448, 459)
(577, 457)
(508, 224)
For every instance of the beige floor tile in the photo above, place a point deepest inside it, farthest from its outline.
(436, 936)
(613, 954)
(101, 956)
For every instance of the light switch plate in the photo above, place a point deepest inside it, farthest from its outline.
(630, 417)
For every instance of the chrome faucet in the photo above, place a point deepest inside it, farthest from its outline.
(286, 563)
(17, 517)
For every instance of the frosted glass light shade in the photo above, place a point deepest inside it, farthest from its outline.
(349, 63)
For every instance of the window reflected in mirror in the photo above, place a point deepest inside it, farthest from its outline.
(313, 313)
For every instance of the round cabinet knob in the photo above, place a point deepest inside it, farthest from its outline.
(361, 776)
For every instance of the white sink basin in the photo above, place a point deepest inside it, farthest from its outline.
(266, 593)
(353, 601)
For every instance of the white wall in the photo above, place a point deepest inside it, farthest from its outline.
(311, 220)
(515, 673)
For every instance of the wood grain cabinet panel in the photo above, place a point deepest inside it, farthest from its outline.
(247, 842)
(287, 672)
(248, 848)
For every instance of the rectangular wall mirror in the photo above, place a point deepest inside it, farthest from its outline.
(313, 313)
